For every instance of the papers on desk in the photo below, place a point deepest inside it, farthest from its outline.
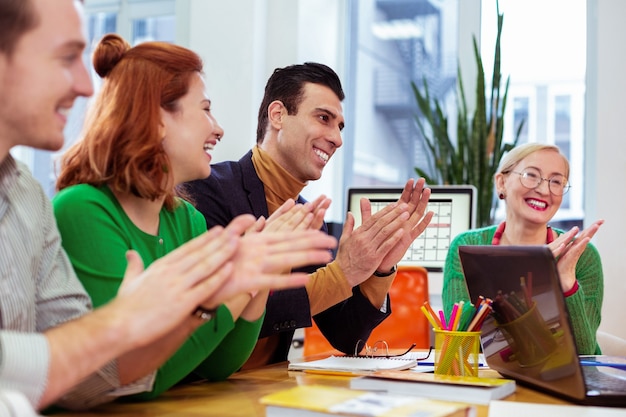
(470, 389)
(520, 409)
(358, 365)
(321, 400)
(352, 364)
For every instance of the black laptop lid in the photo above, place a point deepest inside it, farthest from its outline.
(529, 336)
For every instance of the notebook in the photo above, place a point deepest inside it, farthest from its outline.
(352, 364)
(529, 337)
(323, 400)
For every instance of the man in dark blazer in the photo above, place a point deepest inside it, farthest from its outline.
(299, 129)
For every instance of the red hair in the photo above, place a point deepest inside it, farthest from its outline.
(121, 145)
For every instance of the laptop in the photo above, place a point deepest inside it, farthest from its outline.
(529, 336)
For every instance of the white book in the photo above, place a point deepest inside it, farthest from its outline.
(353, 364)
(519, 409)
(475, 390)
(320, 400)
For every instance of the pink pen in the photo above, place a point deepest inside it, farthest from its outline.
(442, 316)
(455, 310)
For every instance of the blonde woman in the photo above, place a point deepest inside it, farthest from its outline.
(531, 180)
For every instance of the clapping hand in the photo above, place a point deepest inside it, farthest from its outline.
(417, 198)
(383, 237)
(211, 269)
(261, 259)
(568, 248)
(291, 216)
(171, 288)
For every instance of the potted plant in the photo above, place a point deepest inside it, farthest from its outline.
(474, 156)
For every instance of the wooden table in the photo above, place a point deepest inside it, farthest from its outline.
(239, 396)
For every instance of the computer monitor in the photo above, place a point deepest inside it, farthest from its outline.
(455, 212)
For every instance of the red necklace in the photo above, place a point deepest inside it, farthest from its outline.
(500, 230)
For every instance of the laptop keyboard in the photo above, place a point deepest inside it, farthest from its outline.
(604, 382)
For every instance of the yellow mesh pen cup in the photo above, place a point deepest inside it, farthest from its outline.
(456, 353)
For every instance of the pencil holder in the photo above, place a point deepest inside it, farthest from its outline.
(529, 338)
(456, 353)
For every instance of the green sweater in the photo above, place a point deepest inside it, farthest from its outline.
(96, 233)
(584, 306)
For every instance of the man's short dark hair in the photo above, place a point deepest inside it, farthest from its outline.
(287, 85)
(16, 18)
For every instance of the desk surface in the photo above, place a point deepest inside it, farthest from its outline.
(239, 396)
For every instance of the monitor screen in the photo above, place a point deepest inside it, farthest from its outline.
(455, 212)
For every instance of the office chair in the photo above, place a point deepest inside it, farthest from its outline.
(611, 344)
(406, 324)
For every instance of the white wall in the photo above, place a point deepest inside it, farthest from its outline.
(605, 163)
(231, 49)
(242, 42)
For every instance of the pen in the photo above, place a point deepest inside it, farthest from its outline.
(457, 316)
(442, 317)
(455, 309)
(621, 366)
(422, 363)
(430, 318)
(432, 313)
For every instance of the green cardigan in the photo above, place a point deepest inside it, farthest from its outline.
(96, 234)
(584, 306)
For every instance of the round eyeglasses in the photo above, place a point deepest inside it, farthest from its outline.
(531, 178)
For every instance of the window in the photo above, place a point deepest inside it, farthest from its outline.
(135, 20)
(396, 42)
(547, 81)
(159, 28)
(521, 115)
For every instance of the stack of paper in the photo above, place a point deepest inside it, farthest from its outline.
(318, 400)
(353, 364)
(519, 409)
(476, 390)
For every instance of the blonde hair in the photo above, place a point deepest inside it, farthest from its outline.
(515, 155)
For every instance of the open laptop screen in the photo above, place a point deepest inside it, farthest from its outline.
(529, 336)
(455, 212)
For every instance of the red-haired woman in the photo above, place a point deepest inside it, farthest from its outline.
(151, 129)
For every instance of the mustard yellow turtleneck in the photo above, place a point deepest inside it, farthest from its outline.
(327, 285)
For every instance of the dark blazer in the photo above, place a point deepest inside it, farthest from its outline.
(234, 188)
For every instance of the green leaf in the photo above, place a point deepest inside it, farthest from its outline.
(473, 156)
